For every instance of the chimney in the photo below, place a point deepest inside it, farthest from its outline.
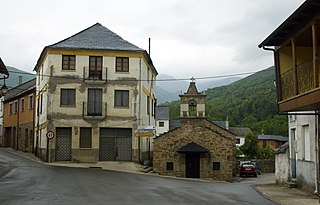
(20, 79)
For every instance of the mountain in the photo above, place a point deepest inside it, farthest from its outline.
(169, 88)
(13, 79)
(249, 102)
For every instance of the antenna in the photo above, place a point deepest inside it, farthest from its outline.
(149, 46)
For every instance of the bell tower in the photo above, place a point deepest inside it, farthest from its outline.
(192, 103)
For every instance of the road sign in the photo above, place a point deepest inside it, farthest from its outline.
(50, 134)
(146, 134)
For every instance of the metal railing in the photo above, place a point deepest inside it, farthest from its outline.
(95, 75)
(94, 109)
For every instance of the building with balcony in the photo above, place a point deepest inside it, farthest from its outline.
(94, 91)
(295, 45)
(18, 117)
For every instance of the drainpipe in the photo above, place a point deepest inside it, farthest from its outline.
(276, 73)
(139, 114)
(317, 157)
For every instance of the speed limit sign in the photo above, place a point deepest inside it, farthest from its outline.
(50, 134)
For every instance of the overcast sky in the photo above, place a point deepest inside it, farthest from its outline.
(188, 37)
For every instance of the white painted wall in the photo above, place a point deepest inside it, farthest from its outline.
(302, 149)
(161, 130)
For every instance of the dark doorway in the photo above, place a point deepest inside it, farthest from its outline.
(192, 165)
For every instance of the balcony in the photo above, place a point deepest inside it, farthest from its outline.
(95, 76)
(304, 96)
(94, 110)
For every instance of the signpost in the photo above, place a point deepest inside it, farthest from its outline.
(50, 135)
(149, 132)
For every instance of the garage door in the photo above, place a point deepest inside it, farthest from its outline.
(115, 144)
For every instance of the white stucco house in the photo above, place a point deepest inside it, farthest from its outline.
(302, 150)
(162, 120)
(95, 91)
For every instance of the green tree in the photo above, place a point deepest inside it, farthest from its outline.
(266, 153)
(250, 147)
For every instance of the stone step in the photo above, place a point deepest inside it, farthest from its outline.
(291, 184)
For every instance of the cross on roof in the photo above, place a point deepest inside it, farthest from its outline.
(192, 79)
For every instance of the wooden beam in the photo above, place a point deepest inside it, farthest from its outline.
(294, 64)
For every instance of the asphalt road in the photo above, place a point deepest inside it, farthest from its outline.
(28, 182)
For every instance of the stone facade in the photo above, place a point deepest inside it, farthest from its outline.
(219, 142)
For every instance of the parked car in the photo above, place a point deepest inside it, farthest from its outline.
(248, 168)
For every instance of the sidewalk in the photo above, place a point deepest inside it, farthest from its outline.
(277, 193)
(286, 196)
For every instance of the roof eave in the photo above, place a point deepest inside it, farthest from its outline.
(275, 39)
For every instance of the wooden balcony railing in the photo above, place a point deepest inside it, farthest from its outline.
(305, 80)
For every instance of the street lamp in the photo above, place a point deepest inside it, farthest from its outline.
(3, 70)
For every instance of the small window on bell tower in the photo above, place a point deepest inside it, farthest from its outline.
(192, 108)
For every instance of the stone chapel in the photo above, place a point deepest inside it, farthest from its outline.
(198, 148)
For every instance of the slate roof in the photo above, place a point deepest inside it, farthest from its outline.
(220, 123)
(173, 124)
(162, 113)
(273, 137)
(192, 148)
(240, 131)
(96, 37)
(20, 89)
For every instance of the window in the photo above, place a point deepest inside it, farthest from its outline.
(192, 108)
(148, 105)
(10, 109)
(264, 143)
(169, 166)
(306, 146)
(95, 67)
(122, 64)
(237, 140)
(22, 104)
(30, 102)
(148, 74)
(94, 102)
(68, 97)
(216, 166)
(68, 62)
(41, 101)
(15, 106)
(161, 124)
(85, 137)
(121, 98)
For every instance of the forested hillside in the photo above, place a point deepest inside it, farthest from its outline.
(249, 102)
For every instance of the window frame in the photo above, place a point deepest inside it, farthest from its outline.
(69, 95)
(31, 103)
(15, 107)
(94, 107)
(10, 108)
(22, 104)
(95, 71)
(169, 166)
(70, 62)
(83, 141)
(120, 64)
(216, 166)
(161, 124)
(122, 104)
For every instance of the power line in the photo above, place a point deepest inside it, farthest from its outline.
(157, 80)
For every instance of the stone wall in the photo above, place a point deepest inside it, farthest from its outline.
(219, 142)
